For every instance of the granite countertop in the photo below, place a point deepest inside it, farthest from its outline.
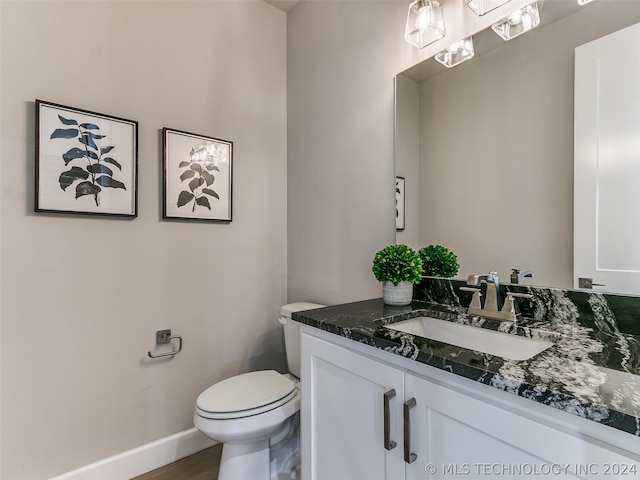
(587, 372)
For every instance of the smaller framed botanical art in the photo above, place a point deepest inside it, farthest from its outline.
(197, 176)
(86, 162)
(399, 203)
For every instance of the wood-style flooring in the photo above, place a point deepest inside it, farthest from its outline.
(203, 465)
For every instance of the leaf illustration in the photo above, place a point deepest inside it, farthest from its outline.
(195, 183)
(104, 150)
(187, 174)
(67, 121)
(106, 181)
(211, 166)
(210, 192)
(70, 176)
(99, 168)
(184, 198)
(208, 178)
(89, 126)
(87, 140)
(65, 133)
(183, 164)
(197, 167)
(95, 136)
(112, 162)
(87, 188)
(204, 201)
(76, 152)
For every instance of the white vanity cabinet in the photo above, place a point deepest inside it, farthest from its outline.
(448, 426)
(453, 433)
(343, 415)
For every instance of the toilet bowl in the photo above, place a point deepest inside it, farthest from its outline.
(255, 415)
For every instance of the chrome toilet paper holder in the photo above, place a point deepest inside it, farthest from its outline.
(164, 337)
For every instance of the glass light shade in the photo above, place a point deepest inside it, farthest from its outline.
(457, 53)
(519, 22)
(480, 7)
(425, 23)
(584, 2)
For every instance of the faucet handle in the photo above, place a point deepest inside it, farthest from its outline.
(508, 309)
(519, 295)
(475, 300)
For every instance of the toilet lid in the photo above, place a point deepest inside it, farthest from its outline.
(248, 391)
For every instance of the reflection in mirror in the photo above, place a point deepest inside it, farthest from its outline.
(486, 148)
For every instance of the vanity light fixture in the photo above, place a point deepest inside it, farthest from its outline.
(480, 7)
(425, 23)
(457, 53)
(519, 22)
(584, 2)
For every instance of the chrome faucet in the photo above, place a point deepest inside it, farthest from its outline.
(518, 275)
(491, 305)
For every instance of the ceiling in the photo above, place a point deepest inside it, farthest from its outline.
(284, 5)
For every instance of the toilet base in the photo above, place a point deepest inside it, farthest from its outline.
(244, 461)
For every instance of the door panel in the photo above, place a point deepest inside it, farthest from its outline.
(343, 415)
(453, 433)
(607, 162)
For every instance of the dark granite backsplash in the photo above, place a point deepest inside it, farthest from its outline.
(604, 312)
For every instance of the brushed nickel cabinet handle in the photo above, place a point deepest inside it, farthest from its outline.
(388, 443)
(408, 405)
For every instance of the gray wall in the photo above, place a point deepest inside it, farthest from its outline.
(82, 297)
(342, 58)
(496, 148)
(407, 143)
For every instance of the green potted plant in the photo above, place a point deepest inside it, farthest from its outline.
(438, 261)
(398, 267)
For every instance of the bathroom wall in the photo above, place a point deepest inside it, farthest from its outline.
(407, 147)
(82, 297)
(342, 58)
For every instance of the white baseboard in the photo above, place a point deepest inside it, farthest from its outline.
(145, 458)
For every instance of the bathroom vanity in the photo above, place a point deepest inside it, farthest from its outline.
(380, 403)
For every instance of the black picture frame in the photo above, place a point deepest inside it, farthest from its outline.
(197, 177)
(400, 203)
(86, 162)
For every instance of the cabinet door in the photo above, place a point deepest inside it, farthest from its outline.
(343, 415)
(452, 433)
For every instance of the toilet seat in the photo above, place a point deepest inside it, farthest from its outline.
(245, 395)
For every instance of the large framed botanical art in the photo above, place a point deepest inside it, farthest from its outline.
(86, 162)
(197, 176)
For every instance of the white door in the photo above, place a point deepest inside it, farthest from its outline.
(607, 162)
(343, 415)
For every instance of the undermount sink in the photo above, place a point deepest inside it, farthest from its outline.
(505, 345)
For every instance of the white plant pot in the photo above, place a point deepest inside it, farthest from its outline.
(397, 295)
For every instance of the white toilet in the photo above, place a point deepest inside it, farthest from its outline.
(256, 415)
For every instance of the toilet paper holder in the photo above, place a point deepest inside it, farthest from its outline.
(164, 337)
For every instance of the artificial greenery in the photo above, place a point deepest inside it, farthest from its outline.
(438, 261)
(397, 263)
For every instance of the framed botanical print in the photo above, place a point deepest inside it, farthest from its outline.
(197, 176)
(86, 162)
(399, 203)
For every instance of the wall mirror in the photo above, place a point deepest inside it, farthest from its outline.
(487, 147)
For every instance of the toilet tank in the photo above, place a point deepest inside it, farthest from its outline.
(292, 333)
